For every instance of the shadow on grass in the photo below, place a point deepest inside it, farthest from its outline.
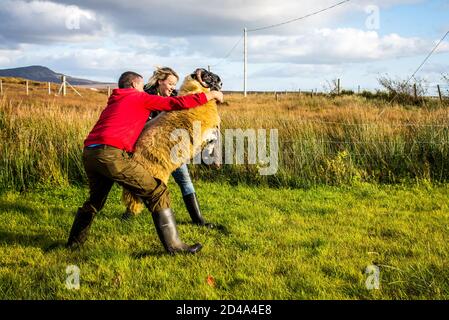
(6, 206)
(30, 240)
(147, 253)
(42, 241)
(212, 226)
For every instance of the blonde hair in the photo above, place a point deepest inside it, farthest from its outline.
(161, 73)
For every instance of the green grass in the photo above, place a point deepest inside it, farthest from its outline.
(279, 244)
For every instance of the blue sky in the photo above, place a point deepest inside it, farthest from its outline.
(99, 40)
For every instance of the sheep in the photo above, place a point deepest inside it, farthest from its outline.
(153, 148)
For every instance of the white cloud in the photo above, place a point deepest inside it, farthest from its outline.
(224, 17)
(341, 45)
(44, 22)
(297, 71)
(117, 35)
(8, 57)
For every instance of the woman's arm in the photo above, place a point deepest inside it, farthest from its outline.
(152, 102)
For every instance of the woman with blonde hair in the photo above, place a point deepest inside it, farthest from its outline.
(163, 83)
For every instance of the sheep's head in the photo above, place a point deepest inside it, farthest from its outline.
(207, 79)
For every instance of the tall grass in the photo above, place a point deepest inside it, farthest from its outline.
(42, 138)
(342, 140)
(322, 140)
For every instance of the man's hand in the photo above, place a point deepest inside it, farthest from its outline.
(217, 95)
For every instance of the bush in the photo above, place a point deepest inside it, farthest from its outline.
(347, 92)
(404, 91)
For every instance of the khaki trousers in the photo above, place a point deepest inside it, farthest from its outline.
(105, 164)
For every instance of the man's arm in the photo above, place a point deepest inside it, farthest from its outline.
(153, 102)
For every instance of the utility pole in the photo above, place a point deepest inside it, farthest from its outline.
(245, 59)
(439, 93)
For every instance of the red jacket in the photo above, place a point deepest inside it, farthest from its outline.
(124, 117)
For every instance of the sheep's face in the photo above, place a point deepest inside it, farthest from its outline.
(207, 79)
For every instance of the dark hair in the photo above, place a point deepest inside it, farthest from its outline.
(127, 78)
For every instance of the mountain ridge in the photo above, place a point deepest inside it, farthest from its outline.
(43, 74)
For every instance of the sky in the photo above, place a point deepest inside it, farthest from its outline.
(357, 41)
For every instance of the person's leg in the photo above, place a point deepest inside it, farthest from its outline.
(182, 178)
(154, 193)
(99, 187)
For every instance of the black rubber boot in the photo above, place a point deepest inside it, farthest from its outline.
(165, 223)
(193, 207)
(81, 226)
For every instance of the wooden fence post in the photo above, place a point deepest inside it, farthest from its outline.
(26, 86)
(49, 88)
(439, 93)
(109, 91)
(1, 87)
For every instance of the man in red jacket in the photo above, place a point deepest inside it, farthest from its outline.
(107, 157)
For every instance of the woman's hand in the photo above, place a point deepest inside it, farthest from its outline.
(217, 95)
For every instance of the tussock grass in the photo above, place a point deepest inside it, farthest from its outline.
(322, 140)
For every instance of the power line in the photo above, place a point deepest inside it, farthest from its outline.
(428, 56)
(300, 18)
(229, 53)
(422, 63)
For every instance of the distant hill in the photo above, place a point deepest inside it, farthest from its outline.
(44, 74)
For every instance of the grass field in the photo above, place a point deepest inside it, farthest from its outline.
(360, 183)
(277, 244)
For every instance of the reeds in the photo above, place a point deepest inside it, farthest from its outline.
(322, 140)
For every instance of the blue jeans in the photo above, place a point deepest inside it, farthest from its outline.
(182, 178)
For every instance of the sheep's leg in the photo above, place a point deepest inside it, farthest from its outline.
(133, 203)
